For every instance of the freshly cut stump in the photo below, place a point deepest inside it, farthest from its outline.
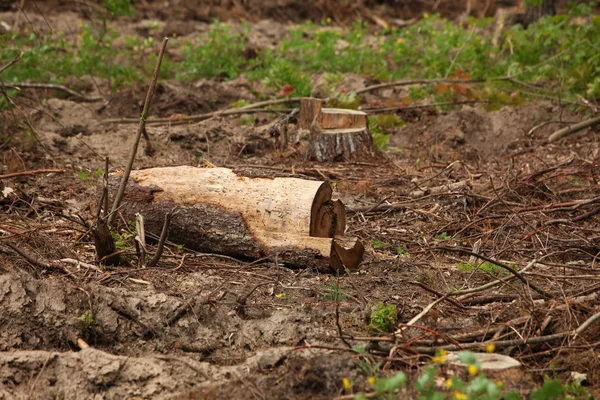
(219, 211)
(335, 134)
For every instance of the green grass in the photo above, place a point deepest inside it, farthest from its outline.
(556, 53)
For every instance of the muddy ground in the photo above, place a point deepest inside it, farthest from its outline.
(180, 330)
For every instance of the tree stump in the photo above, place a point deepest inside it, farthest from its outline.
(335, 134)
(219, 211)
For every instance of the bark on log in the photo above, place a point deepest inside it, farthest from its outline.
(309, 110)
(335, 134)
(222, 212)
(340, 145)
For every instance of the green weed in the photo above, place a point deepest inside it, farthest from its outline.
(86, 318)
(383, 317)
(486, 267)
(443, 236)
(401, 252)
(334, 292)
(121, 239)
(378, 125)
(378, 245)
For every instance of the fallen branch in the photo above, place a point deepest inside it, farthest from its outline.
(416, 106)
(561, 133)
(52, 86)
(408, 82)
(514, 342)
(163, 237)
(13, 61)
(518, 275)
(33, 172)
(31, 260)
(140, 131)
(78, 264)
(250, 108)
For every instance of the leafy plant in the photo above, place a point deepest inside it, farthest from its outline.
(486, 267)
(378, 125)
(121, 239)
(378, 245)
(443, 236)
(87, 318)
(401, 252)
(383, 317)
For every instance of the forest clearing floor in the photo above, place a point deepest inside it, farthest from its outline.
(450, 182)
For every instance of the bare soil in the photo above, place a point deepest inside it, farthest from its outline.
(183, 330)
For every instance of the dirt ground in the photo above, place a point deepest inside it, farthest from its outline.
(488, 182)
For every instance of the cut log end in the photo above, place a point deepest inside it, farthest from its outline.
(346, 253)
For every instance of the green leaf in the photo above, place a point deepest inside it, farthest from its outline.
(550, 390)
(397, 381)
(467, 357)
(377, 245)
(443, 236)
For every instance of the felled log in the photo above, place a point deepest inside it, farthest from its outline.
(335, 134)
(219, 211)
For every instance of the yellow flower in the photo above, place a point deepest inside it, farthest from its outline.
(499, 384)
(328, 20)
(399, 40)
(174, 35)
(347, 384)
(490, 348)
(318, 44)
(460, 396)
(472, 370)
(448, 383)
(372, 380)
(440, 357)
(280, 295)
(358, 35)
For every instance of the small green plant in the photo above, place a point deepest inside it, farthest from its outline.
(81, 174)
(443, 236)
(577, 181)
(383, 317)
(486, 267)
(334, 292)
(246, 120)
(121, 239)
(378, 125)
(551, 389)
(401, 252)
(87, 318)
(240, 103)
(379, 245)
(119, 8)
